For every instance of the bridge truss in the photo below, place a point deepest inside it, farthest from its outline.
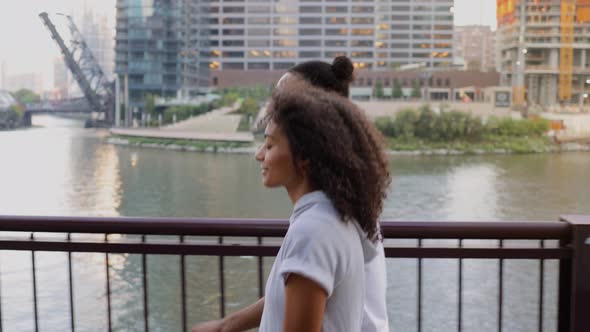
(98, 91)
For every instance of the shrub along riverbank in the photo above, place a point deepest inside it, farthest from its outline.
(423, 129)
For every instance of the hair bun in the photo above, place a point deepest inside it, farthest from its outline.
(343, 68)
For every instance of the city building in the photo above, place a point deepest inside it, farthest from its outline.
(188, 46)
(258, 35)
(434, 85)
(60, 78)
(543, 51)
(100, 39)
(147, 45)
(475, 45)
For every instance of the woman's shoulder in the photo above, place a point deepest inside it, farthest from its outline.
(321, 220)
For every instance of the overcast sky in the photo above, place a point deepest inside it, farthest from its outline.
(26, 45)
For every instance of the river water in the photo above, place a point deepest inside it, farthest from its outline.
(59, 168)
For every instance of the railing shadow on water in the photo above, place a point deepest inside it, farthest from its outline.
(566, 242)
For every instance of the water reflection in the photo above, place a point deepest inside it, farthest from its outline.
(63, 169)
(472, 192)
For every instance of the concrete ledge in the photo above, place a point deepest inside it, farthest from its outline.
(188, 135)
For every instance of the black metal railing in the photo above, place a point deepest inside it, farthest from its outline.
(572, 235)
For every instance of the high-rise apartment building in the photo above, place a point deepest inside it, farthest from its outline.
(275, 35)
(100, 39)
(190, 45)
(148, 45)
(543, 50)
(475, 45)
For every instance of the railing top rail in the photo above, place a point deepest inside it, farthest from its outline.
(278, 227)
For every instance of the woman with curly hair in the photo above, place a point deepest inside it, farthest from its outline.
(336, 77)
(322, 149)
(329, 158)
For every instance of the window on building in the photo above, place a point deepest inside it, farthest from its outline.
(283, 65)
(310, 54)
(285, 42)
(310, 9)
(310, 43)
(310, 32)
(310, 20)
(233, 65)
(258, 65)
(336, 9)
(336, 20)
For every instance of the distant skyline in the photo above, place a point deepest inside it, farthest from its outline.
(27, 46)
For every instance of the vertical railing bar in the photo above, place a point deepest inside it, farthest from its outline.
(500, 288)
(460, 300)
(221, 283)
(33, 266)
(260, 272)
(71, 285)
(145, 289)
(419, 289)
(0, 301)
(108, 277)
(565, 292)
(541, 288)
(183, 286)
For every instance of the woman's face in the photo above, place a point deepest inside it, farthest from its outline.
(276, 159)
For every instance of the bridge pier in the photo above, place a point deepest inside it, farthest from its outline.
(27, 119)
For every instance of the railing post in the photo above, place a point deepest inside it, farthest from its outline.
(580, 272)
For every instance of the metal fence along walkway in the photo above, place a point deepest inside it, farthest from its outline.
(566, 241)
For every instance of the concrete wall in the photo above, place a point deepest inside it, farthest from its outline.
(376, 109)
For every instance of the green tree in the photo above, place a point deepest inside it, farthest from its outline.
(249, 107)
(396, 90)
(25, 96)
(378, 90)
(149, 104)
(416, 91)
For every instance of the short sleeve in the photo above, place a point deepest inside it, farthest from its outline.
(315, 253)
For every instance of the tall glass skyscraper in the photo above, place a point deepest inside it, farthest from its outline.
(148, 46)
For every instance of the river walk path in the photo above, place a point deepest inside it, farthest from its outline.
(218, 126)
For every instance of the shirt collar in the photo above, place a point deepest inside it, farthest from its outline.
(306, 201)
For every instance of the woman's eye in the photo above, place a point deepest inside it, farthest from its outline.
(268, 146)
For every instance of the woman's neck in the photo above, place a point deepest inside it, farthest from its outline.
(296, 191)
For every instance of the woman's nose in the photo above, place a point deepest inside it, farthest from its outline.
(259, 155)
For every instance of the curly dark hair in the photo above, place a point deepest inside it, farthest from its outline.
(332, 77)
(344, 150)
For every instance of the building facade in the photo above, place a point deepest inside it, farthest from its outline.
(543, 50)
(275, 35)
(100, 39)
(476, 46)
(148, 45)
(164, 46)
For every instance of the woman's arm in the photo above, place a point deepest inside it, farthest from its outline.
(305, 301)
(242, 320)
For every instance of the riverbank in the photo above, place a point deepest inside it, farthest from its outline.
(183, 144)
(395, 147)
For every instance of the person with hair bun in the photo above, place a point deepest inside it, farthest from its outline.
(331, 261)
(337, 77)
